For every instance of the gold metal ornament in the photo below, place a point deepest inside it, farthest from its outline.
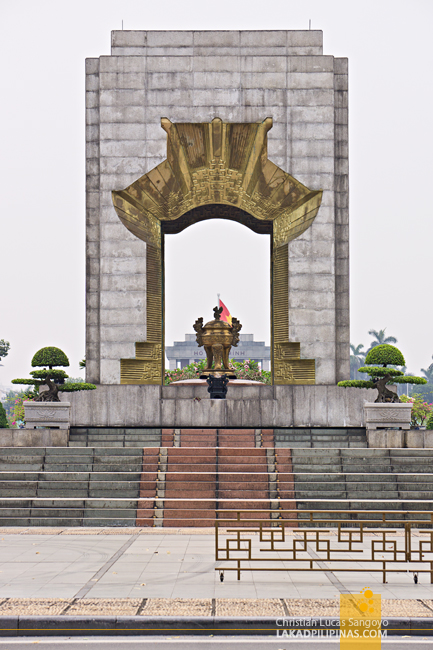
(216, 163)
(217, 337)
(217, 169)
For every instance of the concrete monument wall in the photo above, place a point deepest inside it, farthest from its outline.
(245, 406)
(193, 77)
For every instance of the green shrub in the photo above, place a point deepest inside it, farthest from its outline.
(380, 371)
(243, 369)
(50, 357)
(385, 354)
(72, 387)
(4, 424)
(408, 379)
(420, 409)
(53, 373)
(18, 414)
(429, 424)
(250, 370)
(356, 383)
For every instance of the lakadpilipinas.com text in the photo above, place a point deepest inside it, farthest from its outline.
(316, 628)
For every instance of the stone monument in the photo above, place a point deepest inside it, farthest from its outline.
(254, 128)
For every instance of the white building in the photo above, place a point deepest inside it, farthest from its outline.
(182, 353)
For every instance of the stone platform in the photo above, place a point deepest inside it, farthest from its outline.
(258, 406)
(34, 437)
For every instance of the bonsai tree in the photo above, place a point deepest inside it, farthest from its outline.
(51, 376)
(387, 356)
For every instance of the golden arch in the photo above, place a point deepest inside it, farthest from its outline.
(225, 167)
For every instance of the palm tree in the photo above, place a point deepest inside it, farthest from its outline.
(381, 339)
(428, 374)
(356, 359)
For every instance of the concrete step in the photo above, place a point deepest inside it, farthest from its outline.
(173, 467)
(22, 490)
(114, 437)
(198, 438)
(240, 504)
(241, 479)
(189, 504)
(190, 460)
(241, 451)
(181, 492)
(325, 494)
(191, 452)
(236, 437)
(228, 465)
(318, 438)
(242, 460)
(202, 477)
(188, 523)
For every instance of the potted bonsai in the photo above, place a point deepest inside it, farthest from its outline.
(47, 410)
(387, 411)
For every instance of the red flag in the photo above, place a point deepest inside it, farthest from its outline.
(225, 314)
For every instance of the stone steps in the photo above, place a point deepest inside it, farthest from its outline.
(70, 486)
(243, 477)
(114, 437)
(197, 472)
(320, 438)
(219, 473)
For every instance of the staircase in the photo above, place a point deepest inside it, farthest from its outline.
(190, 486)
(60, 486)
(355, 479)
(320, 438)
(114, 437)
(181, 477)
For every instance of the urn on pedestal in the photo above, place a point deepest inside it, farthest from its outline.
(217, 337)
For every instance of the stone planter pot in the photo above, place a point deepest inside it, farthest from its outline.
(387, 416)
(47, 414)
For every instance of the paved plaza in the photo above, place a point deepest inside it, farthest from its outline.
(139, 567)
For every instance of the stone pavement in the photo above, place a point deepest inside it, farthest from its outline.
(159, 572)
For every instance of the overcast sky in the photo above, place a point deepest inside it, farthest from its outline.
(42, 263)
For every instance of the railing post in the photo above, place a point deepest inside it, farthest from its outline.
(216, 542)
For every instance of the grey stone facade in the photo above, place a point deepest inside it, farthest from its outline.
(239, 76)
(245, 406)
(187, 351)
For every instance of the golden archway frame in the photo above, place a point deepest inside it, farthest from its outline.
(214, 164)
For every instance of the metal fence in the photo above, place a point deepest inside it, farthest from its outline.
(392, 541)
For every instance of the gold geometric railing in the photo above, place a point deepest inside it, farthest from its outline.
(369, 541)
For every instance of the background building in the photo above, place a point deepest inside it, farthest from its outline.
(182, 353)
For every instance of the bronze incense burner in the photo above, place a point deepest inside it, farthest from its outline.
(217, 337)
